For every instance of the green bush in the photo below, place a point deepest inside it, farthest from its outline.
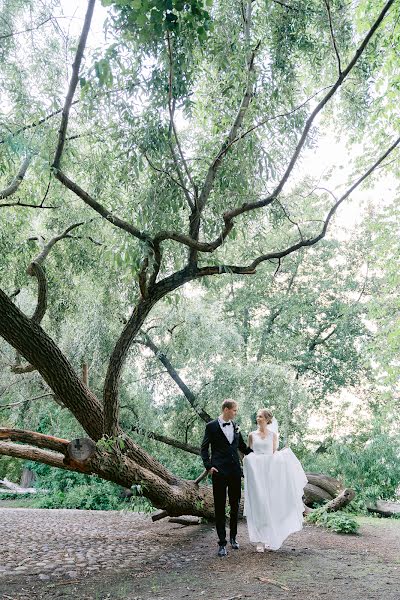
(4, 495)
(369, 463)
(95, 494)
(337, 521)
(10, 468)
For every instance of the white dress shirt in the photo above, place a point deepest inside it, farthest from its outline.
(227, 430)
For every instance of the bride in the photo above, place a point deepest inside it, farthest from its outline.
(274, 483)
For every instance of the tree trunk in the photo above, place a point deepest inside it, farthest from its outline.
(385, 508)
(344, 498)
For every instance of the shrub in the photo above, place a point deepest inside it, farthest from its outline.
(337, 521)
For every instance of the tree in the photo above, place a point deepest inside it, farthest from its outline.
(174, 198)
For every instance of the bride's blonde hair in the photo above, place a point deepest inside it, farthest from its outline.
(267, 414)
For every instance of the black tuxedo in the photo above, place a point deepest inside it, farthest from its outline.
(225, 458)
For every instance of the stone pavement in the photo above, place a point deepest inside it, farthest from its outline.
(97, 555)
(70, 544)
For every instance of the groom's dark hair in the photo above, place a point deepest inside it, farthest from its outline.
(229, 403)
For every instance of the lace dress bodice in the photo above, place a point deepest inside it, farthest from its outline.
(263, 446)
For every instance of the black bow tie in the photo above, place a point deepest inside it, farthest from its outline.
(225, 424)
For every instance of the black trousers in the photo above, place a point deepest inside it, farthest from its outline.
(222, 483)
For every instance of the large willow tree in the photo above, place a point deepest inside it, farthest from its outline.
(171, 156)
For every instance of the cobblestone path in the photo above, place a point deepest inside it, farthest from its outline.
(97, 555)
(54, 545)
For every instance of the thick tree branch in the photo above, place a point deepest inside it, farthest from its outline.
(73, 83)
(249, 269)
(117, 359)
(100, 209)
(29, 339)
(32, 453)
(189, 395)
(14, 185)
(328, 10)
(33, 438)
(333, 89)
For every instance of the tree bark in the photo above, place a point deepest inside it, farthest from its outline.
(344, 498)
(385, 508)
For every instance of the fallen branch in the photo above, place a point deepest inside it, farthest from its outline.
(272, 582)
(185, 520)
(385, 508)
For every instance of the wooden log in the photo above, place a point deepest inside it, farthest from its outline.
(344, 498)
(314, 494)
(329, 484)
(185, 520)
(81, 449)
(157, 516)
(385, 508)
(201, 477)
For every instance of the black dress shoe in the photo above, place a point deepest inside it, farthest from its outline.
(222, 551)
(234, 544)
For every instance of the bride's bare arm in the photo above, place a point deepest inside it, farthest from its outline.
(250, 441)
(275, 443)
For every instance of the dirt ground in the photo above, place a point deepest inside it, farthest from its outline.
(178, 562)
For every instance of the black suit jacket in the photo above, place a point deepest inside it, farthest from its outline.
(224, 456)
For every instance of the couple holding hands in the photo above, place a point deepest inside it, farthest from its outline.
(273, 480)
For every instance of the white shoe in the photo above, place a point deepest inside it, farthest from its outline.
(260, 547)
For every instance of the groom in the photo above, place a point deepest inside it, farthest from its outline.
(224, 466)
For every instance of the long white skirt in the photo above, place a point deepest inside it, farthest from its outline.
(273, 491)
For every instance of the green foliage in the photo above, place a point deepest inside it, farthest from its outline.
(10, 468)
(147, 20)
(368, 462)
(288, 337)
(337, 521)
(74, 490)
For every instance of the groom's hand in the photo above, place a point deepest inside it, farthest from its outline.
(213, 470)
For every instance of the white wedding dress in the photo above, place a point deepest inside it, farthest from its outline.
(273, 491)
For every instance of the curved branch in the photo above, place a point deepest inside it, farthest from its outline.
(101, 210)
(333, 89)
(39, 260)
(36, 269)
(73, 83)
(251, 268)
(14, 185)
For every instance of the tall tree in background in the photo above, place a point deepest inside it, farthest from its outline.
(185, 142)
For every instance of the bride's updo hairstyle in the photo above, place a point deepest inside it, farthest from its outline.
(267, 414)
